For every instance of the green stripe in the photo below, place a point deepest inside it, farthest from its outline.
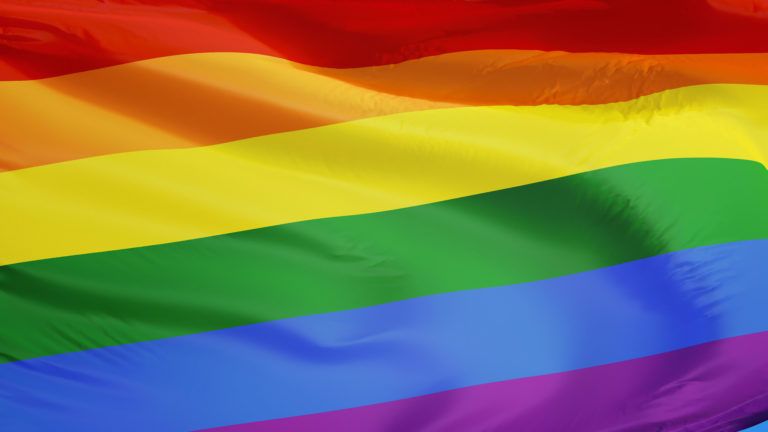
(548, 229)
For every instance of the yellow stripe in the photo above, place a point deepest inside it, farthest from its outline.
(143, 198)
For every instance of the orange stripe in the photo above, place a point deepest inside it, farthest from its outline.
(202, 99)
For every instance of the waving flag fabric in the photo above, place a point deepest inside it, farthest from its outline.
(383, 215)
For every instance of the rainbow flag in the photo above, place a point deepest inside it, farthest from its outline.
(383, 215)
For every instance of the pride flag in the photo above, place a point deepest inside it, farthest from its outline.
(383, 215)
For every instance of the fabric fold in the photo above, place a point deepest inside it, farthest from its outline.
(203, 99)
(399, 350)
(383, 163)
(540, 231)
(45, 39)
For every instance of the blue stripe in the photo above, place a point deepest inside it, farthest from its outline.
(414, 347)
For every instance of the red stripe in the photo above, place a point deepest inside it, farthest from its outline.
(40, 39)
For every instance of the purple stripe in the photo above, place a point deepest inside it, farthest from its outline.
(718, 386)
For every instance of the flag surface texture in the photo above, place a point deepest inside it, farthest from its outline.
(383, 215)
